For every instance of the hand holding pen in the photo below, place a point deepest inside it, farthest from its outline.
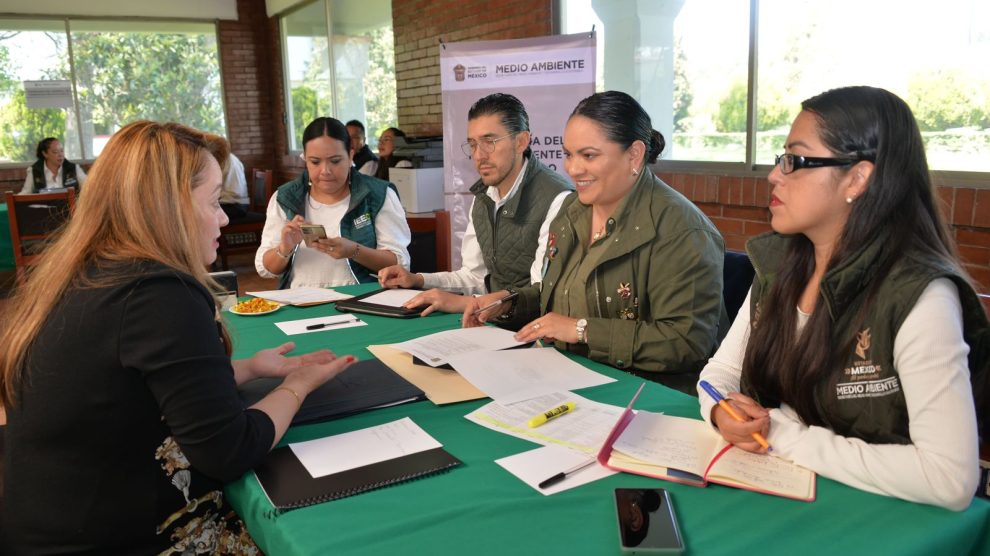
(480, 309)
(756, 416)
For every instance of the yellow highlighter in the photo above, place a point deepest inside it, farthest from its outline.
(551, 414)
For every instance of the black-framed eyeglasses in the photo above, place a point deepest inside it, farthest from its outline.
(486, 145)
(790, 162)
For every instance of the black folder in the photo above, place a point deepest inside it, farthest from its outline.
(364, 385)
(288, 485)
(357, 305)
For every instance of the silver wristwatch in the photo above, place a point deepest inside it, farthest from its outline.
(581, 326)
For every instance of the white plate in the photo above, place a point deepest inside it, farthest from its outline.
(233, 310)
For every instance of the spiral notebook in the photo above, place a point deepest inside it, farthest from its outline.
(288, 483)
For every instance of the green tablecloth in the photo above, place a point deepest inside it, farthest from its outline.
(479, 508)
(6, 245)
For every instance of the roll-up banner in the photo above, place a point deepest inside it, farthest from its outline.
(548, 74)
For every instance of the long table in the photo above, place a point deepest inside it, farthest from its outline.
(479, 508)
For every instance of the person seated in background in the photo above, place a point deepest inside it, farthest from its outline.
(633, 269)
(364, 160)
(52, 170)
(366, 227)
(234, 199)
(386, 146)
(124, 419)
(850, 354)
(514, 201)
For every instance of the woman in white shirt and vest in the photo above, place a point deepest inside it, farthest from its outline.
(52, 170)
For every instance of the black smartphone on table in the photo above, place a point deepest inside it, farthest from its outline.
(647, 523)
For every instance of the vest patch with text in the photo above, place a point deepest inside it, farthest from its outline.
(862, 377)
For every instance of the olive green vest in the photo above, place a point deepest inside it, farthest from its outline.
(864, 398)
(508, 241)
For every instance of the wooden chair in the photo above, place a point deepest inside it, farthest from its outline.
(33, 219)
(244, 234)
(422, 226)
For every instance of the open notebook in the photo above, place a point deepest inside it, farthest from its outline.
(689, 451)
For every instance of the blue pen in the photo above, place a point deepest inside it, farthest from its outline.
(732, 412)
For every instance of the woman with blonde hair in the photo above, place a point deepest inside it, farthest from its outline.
(121, 397)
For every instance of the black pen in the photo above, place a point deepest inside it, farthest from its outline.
(329, 324)
(497, 302)
(560, 476)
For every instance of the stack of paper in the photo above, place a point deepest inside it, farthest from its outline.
(301, 297)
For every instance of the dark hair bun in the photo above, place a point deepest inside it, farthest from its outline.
(657, 144)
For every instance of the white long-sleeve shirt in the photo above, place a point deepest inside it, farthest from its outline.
(470, 278)
(53, 180)
(940, 466)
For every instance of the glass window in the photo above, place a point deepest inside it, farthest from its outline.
(33, 50)
(307, 63)
(359, 84)
(120, 71)
(935, 59)
(690, 68)
(127, 71)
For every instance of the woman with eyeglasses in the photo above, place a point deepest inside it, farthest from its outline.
(850, 354)
(364, 227)
(633, 270)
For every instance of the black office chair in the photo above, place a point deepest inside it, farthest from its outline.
(737, 275)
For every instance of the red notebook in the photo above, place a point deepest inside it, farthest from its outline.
(688, 451)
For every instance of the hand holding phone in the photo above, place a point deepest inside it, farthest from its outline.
(647, 524)
(313, 232)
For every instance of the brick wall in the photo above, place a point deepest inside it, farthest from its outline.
(419, 25)
(247, 70)
(738, 207)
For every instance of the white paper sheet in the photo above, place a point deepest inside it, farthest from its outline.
(350, 450)
(301, 296)
(435, 349)
(335, 322)
(516, 375)
(392, 298)
(667, 441)
(584, 429)
(536, 466)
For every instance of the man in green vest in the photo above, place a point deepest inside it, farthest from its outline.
(514, 201)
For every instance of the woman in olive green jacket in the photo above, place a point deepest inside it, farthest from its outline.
(633, 270)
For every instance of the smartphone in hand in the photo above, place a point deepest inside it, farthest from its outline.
(647, 524)
(313, 232)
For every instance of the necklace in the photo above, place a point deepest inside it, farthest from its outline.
(315, 205)
(598, 235)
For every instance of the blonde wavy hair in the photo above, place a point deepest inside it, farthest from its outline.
(137, 205)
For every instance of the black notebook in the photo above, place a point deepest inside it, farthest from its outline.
(288, 485)
(364, 385)
(358, 305)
